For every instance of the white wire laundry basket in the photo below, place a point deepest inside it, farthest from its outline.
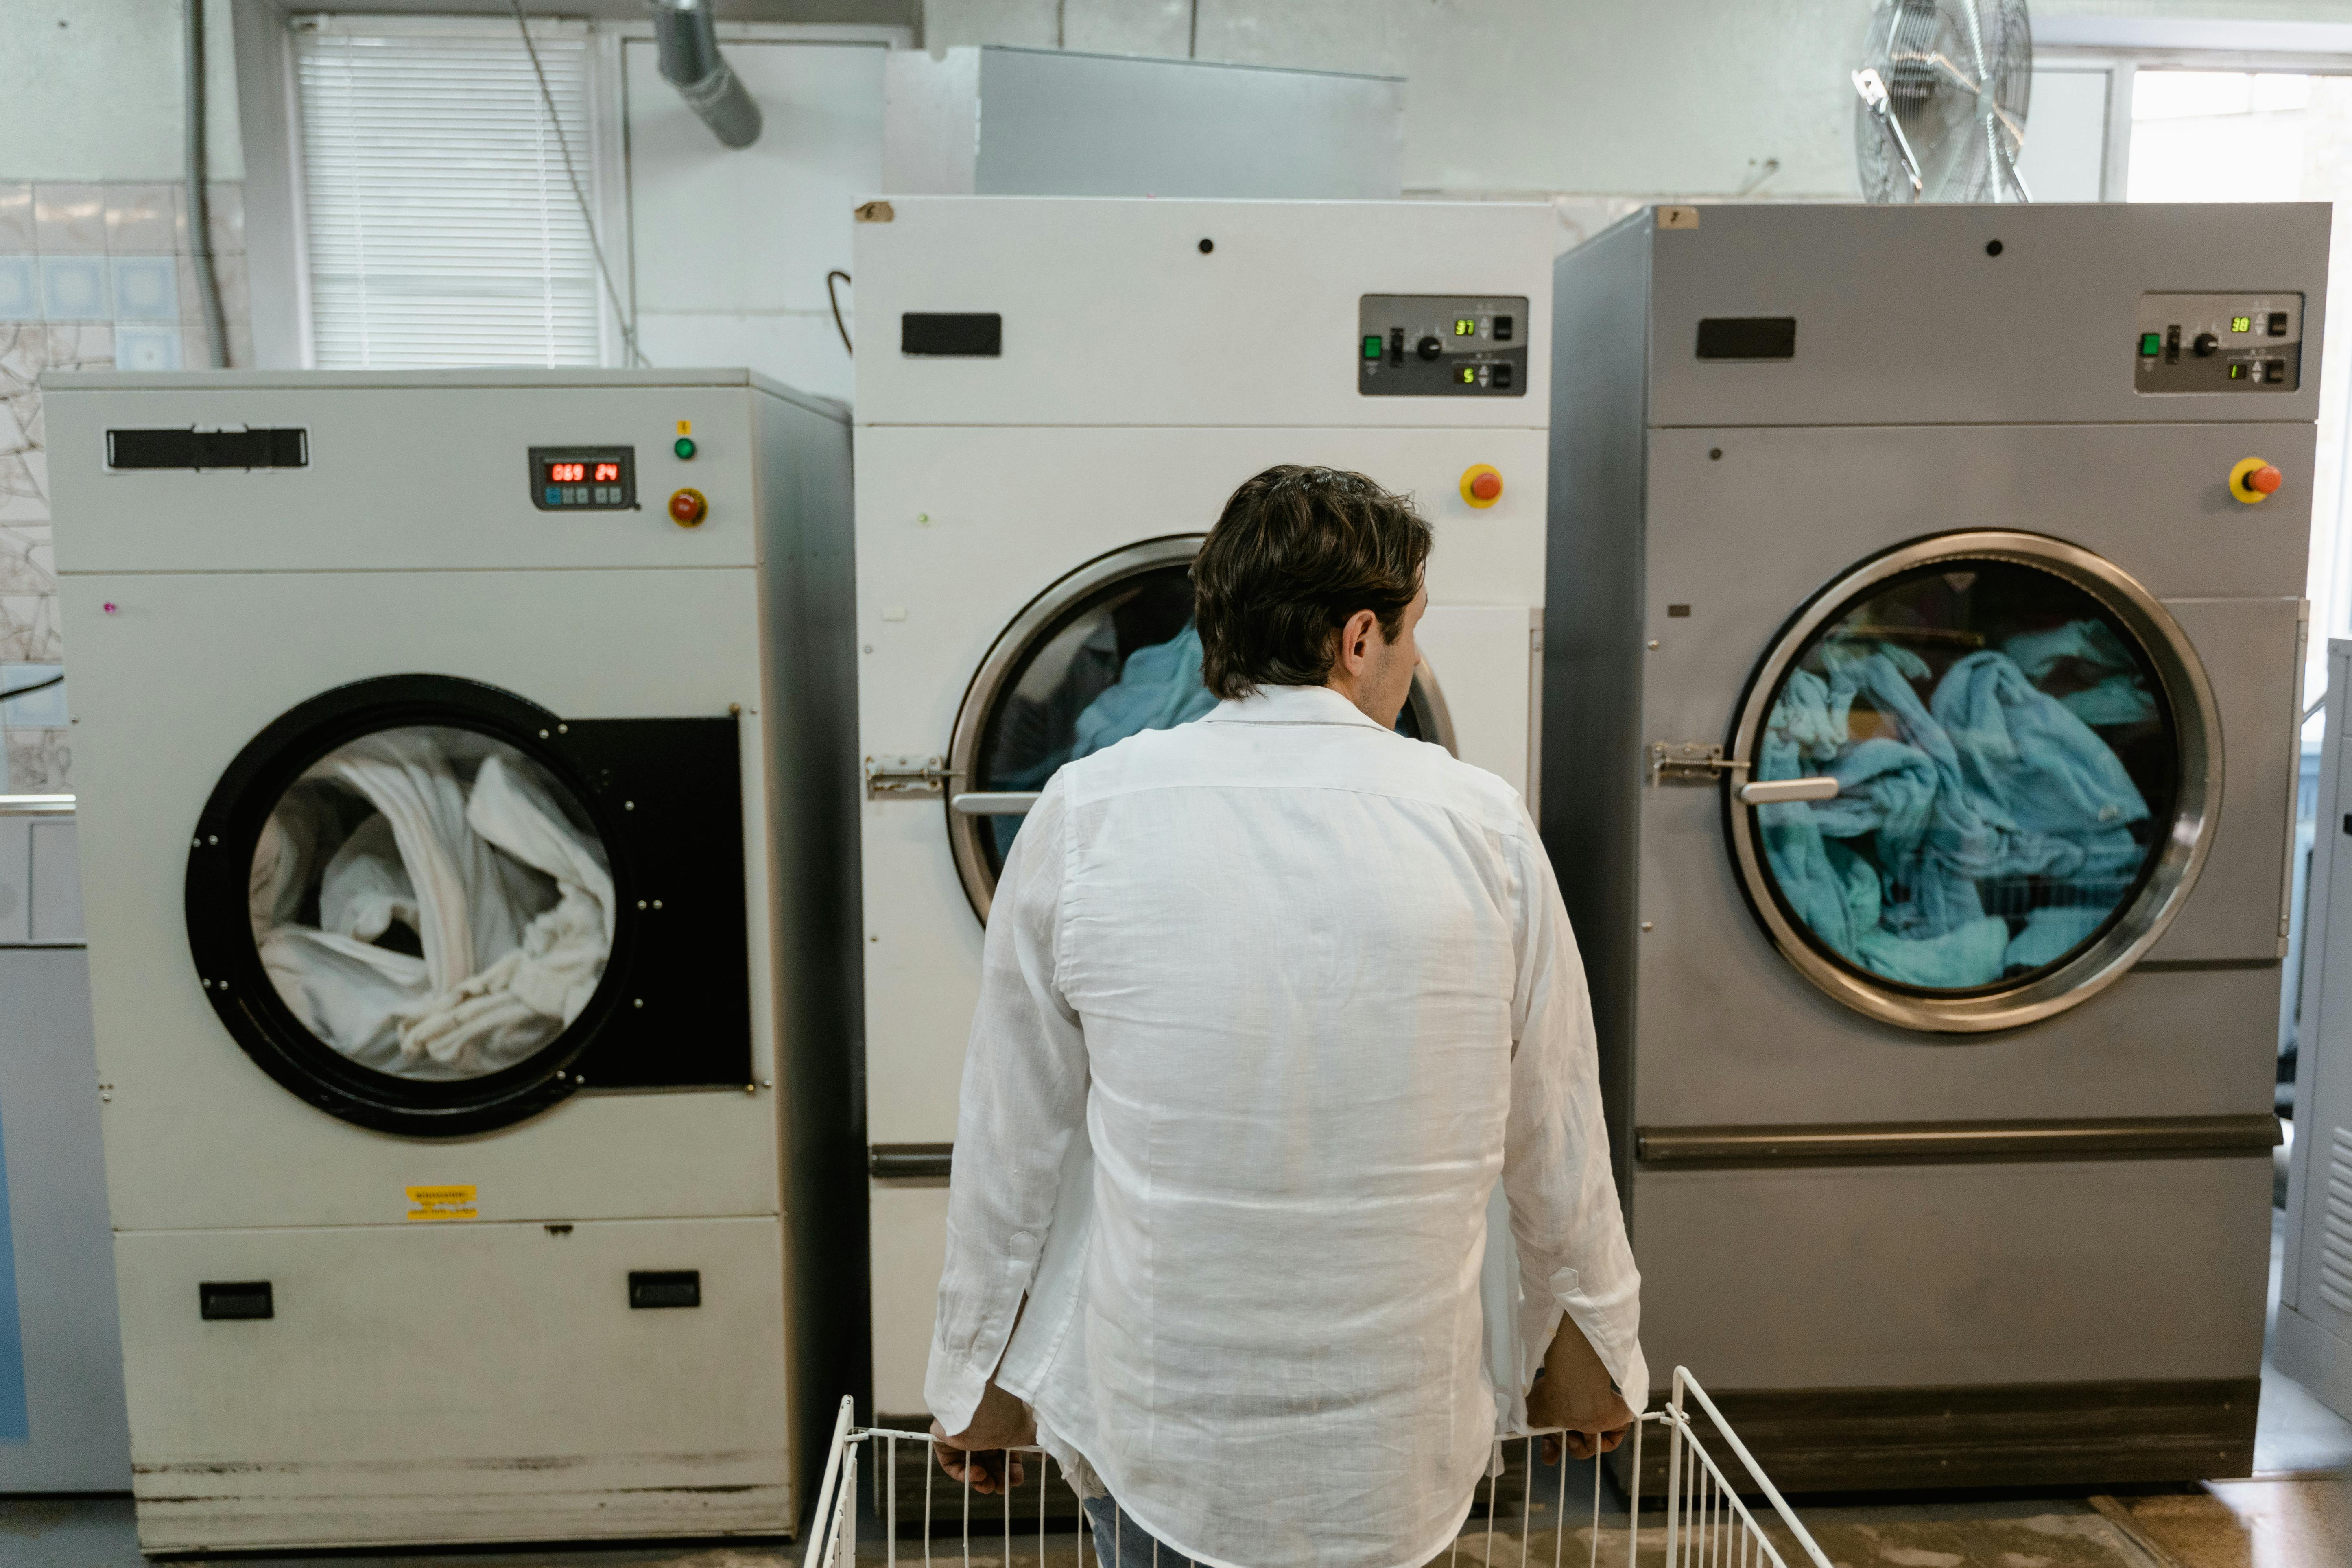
(1707, 1520)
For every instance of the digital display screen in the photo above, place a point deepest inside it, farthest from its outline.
(2242, 324)
(564, 471)
(1467, 375)
(568, 479)
(1466, 328)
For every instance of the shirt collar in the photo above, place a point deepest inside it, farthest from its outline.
(1289, 705)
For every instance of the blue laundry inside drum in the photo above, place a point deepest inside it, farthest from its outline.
(1121, 662)
(2006, 772)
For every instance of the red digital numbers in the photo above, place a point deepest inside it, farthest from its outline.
(566, 473)
(608, 473)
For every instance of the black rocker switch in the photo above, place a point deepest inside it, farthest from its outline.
(1396, 345)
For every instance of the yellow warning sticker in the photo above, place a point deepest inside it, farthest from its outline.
(685, 427)
(441, 1203)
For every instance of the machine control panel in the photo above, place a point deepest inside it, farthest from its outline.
(1442, 345)
(584, 479)
(2219, 342)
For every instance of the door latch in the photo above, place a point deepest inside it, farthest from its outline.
(1690, 762)
(907, 778)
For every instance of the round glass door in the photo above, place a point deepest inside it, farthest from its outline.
(431, 904)
(1979, 778)
(403, 908)
(1107, 652)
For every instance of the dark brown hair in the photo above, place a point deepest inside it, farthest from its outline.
(1296, 553)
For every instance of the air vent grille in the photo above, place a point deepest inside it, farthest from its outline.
(2335, 1232)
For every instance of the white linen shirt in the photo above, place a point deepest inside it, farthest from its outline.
(1269, 1003)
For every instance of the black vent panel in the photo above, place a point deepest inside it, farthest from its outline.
(228, 1300)
(970, 336)
(282, 449)
(1748, 337)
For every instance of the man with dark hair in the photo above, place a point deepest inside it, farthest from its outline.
(1269, 1003)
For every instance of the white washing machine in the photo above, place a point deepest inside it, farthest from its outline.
(1055, 399)
(1921, 718)
(432, 733)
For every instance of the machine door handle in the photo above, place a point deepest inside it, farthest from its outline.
(1771, 792)
(994, 803)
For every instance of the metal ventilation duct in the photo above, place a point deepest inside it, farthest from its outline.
(691, 62)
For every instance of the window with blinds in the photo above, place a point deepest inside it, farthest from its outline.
(442, 229)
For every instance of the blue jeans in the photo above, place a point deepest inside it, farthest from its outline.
(1126, 1544)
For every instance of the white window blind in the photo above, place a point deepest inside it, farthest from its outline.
(442, 229)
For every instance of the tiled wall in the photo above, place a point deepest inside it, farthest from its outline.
(92, 277)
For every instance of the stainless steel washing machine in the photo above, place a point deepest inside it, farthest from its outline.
(1924, 616)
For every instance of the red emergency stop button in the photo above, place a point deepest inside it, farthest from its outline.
(688, 509)
(1482, 485)
(2252, 478)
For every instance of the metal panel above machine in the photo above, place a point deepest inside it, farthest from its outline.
(996, 121)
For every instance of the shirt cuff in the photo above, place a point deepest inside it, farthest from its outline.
(952, 1390)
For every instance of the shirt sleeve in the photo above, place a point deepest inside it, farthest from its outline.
(1025, 1094)
(1573, 1253)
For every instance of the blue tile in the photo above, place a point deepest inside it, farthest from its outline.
(146, 289)
(73, 288)
(20, 288)
(146, 348)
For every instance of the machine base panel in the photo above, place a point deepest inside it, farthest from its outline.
(2001, 1434)
(300, 1504)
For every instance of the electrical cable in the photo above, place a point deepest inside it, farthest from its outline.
(200, 220)
(831, 300)
(37, 686)
(564, 144)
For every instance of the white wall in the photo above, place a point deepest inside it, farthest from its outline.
(730, 248)
(89, 90)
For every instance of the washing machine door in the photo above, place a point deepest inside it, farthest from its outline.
(1973, 781)
(429, 906)
(1106, 651)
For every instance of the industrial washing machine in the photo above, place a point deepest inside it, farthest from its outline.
(1057, 398)
(1921, 710)
(459, 1055)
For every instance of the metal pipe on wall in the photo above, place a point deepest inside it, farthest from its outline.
(691, 62)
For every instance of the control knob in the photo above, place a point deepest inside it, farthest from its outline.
(2205, 345)
(1429, 347)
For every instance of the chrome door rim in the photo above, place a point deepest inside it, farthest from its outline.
(1018, 638)
(2163, 889)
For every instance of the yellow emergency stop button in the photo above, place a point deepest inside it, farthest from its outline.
(2254, 480)
(1482, 485)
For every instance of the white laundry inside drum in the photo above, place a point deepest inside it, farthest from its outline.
(432, 903)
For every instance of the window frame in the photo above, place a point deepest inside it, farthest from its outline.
(603, 149)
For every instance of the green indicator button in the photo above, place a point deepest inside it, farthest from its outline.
(684, 447)
(1371, 345)
(2151, 344)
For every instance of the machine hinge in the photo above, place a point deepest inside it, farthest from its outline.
(1690, 762)
(907, 778)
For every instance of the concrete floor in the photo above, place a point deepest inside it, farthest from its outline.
(2295, 1511)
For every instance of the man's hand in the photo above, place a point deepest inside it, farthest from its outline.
(977, 1454)
(1573, 1390)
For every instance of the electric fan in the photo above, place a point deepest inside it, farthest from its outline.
(1944, 85)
